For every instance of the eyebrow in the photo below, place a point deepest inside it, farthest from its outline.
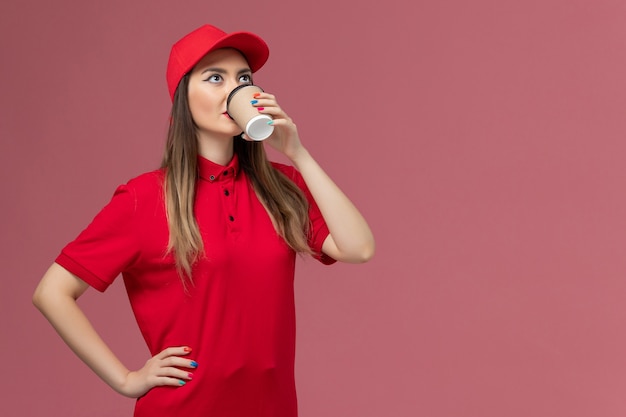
(223, 71)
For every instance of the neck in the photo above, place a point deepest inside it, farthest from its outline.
(219, 151)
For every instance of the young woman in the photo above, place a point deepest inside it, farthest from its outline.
(206, 246)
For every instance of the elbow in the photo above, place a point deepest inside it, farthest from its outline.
(38, 298)
(44, 295)
(364, 254)
(368, 253)
(354, 252)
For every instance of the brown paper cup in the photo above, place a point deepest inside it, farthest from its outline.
(246, 115)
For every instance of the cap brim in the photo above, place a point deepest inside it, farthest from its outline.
(254, 49)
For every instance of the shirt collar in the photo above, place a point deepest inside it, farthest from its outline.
(212, 172)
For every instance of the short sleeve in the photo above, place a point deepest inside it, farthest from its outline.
(107, 246)
(319, 230)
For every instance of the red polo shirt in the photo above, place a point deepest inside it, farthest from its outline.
(239, 317)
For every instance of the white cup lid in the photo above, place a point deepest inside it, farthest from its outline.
(257, 127)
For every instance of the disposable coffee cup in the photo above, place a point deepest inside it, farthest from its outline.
(247, 117)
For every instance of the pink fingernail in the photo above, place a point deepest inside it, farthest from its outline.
(190, 375)
(187, 349)
(260, 108)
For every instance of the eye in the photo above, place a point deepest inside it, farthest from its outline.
(215, 78)
(246, 79)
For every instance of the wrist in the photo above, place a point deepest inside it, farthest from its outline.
(299, 157)
(125, 386)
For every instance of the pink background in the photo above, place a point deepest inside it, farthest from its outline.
(484, 140)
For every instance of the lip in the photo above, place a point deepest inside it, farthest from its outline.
(227, 115)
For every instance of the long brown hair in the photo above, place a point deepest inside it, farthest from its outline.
(284, 201)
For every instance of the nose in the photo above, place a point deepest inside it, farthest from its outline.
(230, 86)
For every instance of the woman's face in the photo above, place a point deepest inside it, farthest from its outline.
(210, 82)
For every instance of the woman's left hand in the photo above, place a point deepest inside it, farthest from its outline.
(350, 238)
(285, 137)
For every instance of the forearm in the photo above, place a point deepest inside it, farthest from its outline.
(63, 312)
(350, 238)
(349, 230)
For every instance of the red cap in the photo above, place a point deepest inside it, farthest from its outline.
(193, 47)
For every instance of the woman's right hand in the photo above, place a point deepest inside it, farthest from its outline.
(164, 369)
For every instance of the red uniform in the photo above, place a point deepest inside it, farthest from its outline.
(238, 317)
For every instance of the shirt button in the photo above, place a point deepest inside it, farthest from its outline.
(231, 218)
(226, 193)
(212, 177)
